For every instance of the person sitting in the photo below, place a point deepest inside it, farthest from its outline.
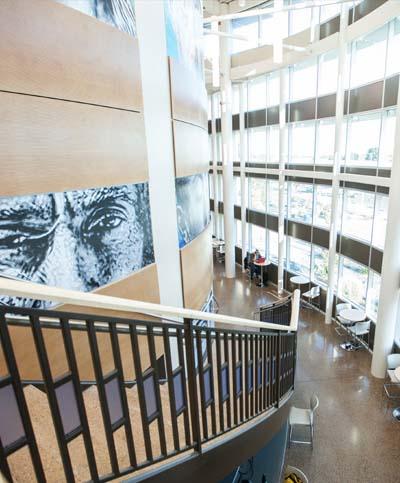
(254, 269)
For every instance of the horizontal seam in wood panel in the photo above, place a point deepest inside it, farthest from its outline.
(73, 101)
(190, 124)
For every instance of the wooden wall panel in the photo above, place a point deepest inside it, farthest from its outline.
(142, 285)
(48, 145)
(197, 270)
(188, 95)
(51, 50)
(191, 149)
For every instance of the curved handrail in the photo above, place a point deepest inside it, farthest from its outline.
(54, 294)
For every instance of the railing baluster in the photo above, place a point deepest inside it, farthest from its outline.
(265, 369)
(233, 372)
(124, 401)
(252, 370)
(94, 349)
(242, 378)
(73, 367)
(211, 365)
(247, 378)
(220, 402)
(171, 391)
(22, 406)
(201, 380)
(141, 395)
(153, 361)
(191, 369)
(278, 370)
(186, 423)
(52, 398)
(229, 398)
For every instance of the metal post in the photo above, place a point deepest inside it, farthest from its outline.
(192, 385)
(336, 164)
(227, 161)
(243, 194)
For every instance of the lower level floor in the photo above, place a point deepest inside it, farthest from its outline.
(356, 438)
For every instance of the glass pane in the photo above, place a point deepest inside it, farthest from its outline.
(304, 80)
(353, 279)
(238, 196)
(300, 202)
(387, 138)
(380, 220)
(299, 19)
(358, 212)
(328, 72)
(393, 58)
(303, 141)
(257, 194)
(371, 46)
(257, 144)
(299, 256)
(238, 233)
(320, 264)
(270, 28)
(363, 140)
(258, 239)
(273, 89)
(273, 144)
(247, 27)
(272, 197)
(326, 142)
(374, 286)
(257, 93)
(178, 392)
(328, 12)
(273, 246)
(323, 200)
(113, 397)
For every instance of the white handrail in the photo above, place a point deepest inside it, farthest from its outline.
(37, 291)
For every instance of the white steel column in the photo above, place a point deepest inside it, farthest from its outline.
(243, 194)
(215, 165)
(336, 164)
(227, 161)
(388, 309)
(150, 23)
(282, 161)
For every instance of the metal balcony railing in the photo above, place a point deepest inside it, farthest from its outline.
(215, 380)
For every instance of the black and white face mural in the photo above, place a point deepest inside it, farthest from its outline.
(78, 240)
(192, 204)
(118, 13)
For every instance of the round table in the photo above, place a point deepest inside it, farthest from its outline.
(262, 265)
(351, 316)
(396, 411)
(299, 280)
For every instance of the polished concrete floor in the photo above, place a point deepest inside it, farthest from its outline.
(356, 439)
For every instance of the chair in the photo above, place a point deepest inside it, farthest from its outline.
(303, 417)
(340, 320)
(393, 361)
(358, 330)
(311, 295)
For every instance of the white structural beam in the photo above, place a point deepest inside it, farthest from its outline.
(243, 194)
(390, 282)
(227, 157)
(336, 165)
(160, 155)
(282, 161)
(214, 164)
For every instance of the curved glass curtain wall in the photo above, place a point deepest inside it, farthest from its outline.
(372, 68)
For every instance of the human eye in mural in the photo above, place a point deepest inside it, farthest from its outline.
(118, 13)
(192, 204)
(79, 240)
